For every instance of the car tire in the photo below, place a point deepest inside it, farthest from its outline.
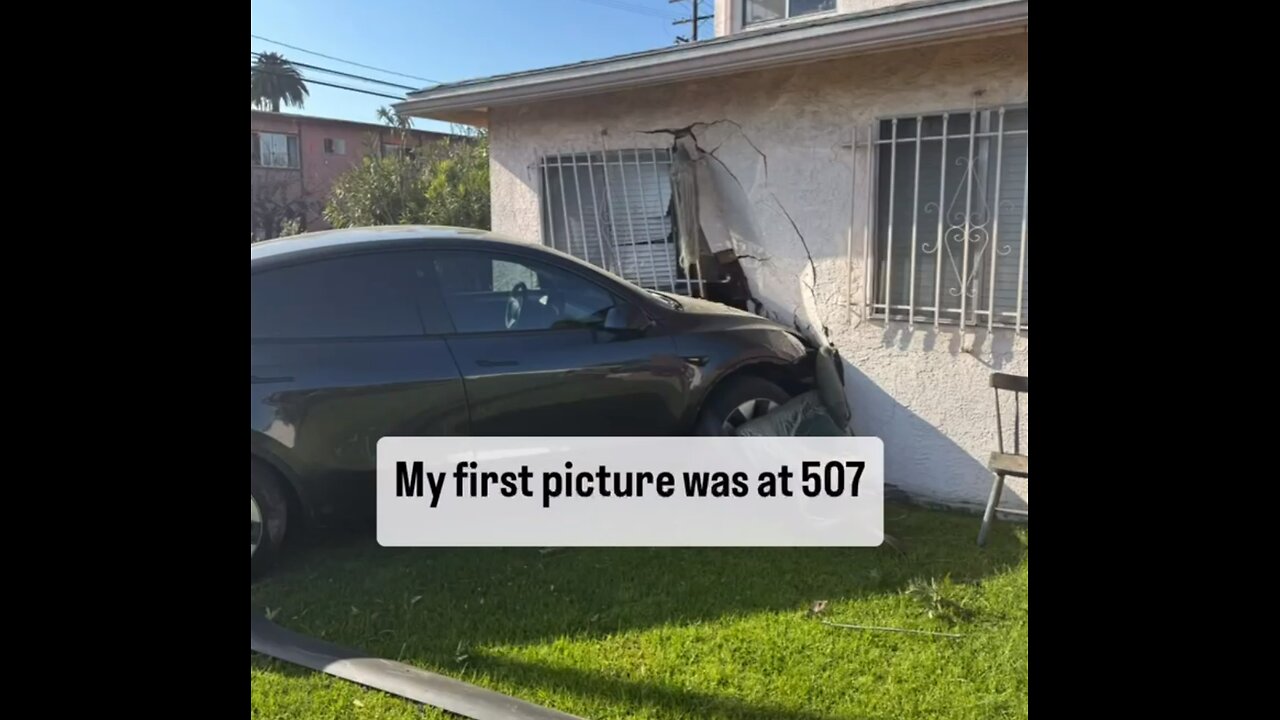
(737, 400)
(270, 517)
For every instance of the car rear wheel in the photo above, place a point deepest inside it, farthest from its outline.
(269, 515)
(739, 400)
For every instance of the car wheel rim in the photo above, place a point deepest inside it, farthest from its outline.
(255, 516)
(748, 410)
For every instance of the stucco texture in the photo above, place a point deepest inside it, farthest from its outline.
(925, 392)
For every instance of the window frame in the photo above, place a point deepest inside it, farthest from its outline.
(293, 160)
(521, 258)
(886, 311)
(394, 149)
(745, 23)
(335, 146)
(616, 219)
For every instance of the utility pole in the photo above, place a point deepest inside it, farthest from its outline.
(695, 19)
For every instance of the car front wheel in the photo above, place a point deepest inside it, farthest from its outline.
(739, 400)
(269, 515)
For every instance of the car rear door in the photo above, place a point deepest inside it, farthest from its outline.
(347, 350)
(556, 371)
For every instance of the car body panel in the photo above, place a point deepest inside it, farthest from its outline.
(538, 384)
(325, 417)
(320, 404)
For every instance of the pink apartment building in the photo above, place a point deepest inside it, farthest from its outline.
(295, 159)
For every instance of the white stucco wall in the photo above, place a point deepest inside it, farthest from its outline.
(925, 392)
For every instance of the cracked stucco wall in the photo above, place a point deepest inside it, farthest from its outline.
(924, 392)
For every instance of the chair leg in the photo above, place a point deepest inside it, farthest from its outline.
(989, 515)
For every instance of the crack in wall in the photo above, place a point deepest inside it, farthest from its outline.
(687, 131)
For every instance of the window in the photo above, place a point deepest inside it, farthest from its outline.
(275, 150)
(614, 211)
(758, 11)
(358, 296)
(494, 293)
(951, 218)
(392, 149)
(335, 146)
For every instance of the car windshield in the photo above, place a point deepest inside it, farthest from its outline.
(666, 299)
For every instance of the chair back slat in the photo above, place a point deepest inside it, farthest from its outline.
(999, 424)
(1017, 384)
(1012, 383)
(1017, 425)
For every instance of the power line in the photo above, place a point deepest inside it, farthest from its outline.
(695, 20)
(332, 85)
(343, 74)
(338, 59)
(629, 7)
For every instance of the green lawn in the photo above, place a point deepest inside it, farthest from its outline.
(670, 633)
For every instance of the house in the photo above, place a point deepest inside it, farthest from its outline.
(857, 168)
(296, 158)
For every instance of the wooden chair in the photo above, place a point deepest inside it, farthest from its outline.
(1001, 463)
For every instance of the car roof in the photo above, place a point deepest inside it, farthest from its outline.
(316, 245)
(338, 240)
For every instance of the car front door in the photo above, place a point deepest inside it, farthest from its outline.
(536, 358)
(347, 350)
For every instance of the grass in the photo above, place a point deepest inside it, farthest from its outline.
(670, 633)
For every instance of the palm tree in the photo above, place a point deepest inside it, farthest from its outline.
(394, 119)
(276, 81)
(400, 125)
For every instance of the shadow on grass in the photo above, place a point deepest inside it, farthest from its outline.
(591, 685)
(432, 607)
(639, 694)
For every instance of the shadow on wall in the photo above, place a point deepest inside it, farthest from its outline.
(919, 458)
(993, 349)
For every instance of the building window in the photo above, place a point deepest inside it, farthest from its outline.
(394, 149)
(759, 11)
(614, 210)
(951, 219)
(275, 150)
(335, 146)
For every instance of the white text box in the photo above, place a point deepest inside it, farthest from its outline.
(652, 491)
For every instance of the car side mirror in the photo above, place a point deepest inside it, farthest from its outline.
(626, 318)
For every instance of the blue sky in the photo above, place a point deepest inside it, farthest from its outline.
(449, 40)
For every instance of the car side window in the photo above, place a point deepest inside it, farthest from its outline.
(502, 293)
(507, 274)
(375, 295)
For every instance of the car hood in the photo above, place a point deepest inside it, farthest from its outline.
(708, 314)
(698, 306)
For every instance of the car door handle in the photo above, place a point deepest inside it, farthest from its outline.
(497, 363)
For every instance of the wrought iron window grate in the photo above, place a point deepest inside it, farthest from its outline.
(613, 209)
(950, 218)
